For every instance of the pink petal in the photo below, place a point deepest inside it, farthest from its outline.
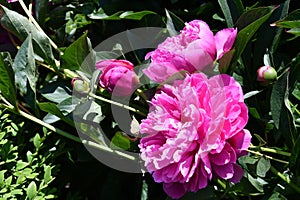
(240, 141)
(224, 40)
(198, 56)
(199, 30)
(174, 190)
(160, 71)
(238, 174)
(224, 171)
(220, 158)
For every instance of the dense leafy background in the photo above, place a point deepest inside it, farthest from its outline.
(39, 162)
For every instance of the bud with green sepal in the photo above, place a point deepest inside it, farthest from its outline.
(80, 86)
(266, 75)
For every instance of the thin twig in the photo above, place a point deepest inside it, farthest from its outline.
(265, 149)
(31, 18)
(285, 179)
(63, 133)
(269, 157)
(116, 104)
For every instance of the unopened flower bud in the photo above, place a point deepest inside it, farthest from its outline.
(80, 86)
(266, 74)
(117, 76)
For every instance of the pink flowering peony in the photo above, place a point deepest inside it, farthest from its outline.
(194, 132)
(117, 76)
(194, 49)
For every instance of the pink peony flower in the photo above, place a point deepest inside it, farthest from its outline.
(194, 49)
(117, 76)
(194, 132)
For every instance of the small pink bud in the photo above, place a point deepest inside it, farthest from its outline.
(266, 74)
(117, 76)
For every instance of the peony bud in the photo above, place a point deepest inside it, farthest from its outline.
(266, 74)
(117, 76)
(80, 86)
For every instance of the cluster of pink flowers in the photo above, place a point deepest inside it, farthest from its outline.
(195, 127)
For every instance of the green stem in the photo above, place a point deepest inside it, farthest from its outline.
(28, 13)
(117, 104)
(265, 149)
(64, 133)
(223, 185)
(284, 178)
(269, 157)
(70, 73)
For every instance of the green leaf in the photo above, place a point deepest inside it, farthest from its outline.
(263, 167)
(291, 21)
(24, 67)
(252, 93)
(31, 190)
(103, 55)
(100, 14)
(41, 10)
(135, 15)
(225, 61)
(7, 81)
(21, 165)
(144, 195)
(120, 141)
(254, 113)
(47, 174)
(71, 27)
(56, 114)
(94, 81)
(55, 93)
(88, 115)
(294, 159)
(81, 20)
(267, 40)
(22, 27)
(60, 112)
(296, 91)
(170, 25)
(16, 192)
(295, 31)
(77, 53)
(26, 73)
(2, 172)
(281, 110)
(226, 11)
(231, 9)
(258, 183)
(248, 24)
(37, 141)
(8, 180)
(294, 73)
(289, 24)
(277, 196)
